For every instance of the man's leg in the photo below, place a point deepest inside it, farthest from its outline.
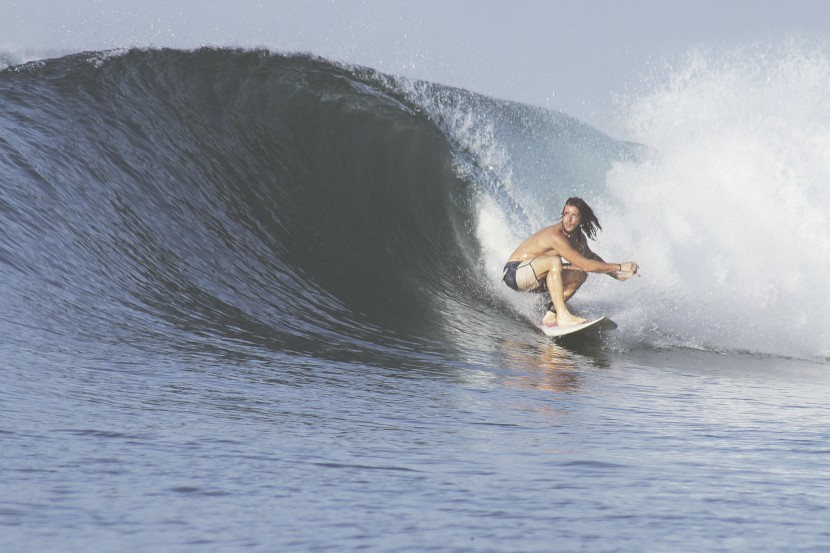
(573, 279)
(556, 287)
(557, 283)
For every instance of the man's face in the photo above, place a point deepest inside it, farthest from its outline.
(571, 218)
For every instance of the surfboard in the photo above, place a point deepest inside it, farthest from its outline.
(559, 331)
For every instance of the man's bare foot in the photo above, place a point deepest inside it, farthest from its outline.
(568, 319)
(549, 319)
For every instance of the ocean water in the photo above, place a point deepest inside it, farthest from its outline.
(251, 302)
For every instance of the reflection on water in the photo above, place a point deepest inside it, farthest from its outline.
(548, 365)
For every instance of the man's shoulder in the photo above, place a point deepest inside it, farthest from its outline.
(553, 229)
(551, 239)
(554, 232)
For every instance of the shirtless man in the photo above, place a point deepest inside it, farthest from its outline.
(537, 264)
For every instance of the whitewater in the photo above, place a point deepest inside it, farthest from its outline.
(251, 301)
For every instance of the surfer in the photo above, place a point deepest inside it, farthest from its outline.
(557, 260)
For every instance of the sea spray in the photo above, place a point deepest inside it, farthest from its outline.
(727, 216)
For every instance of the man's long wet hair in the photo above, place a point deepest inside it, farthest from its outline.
(590, 224)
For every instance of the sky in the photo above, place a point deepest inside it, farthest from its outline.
(578, 57)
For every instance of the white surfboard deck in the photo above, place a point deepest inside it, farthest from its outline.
(559, 331)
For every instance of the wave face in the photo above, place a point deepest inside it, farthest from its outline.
(232, 201)
(168, 197)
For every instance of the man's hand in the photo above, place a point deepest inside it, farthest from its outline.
(627, 270)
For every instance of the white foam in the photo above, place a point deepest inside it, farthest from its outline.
(728, 217)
